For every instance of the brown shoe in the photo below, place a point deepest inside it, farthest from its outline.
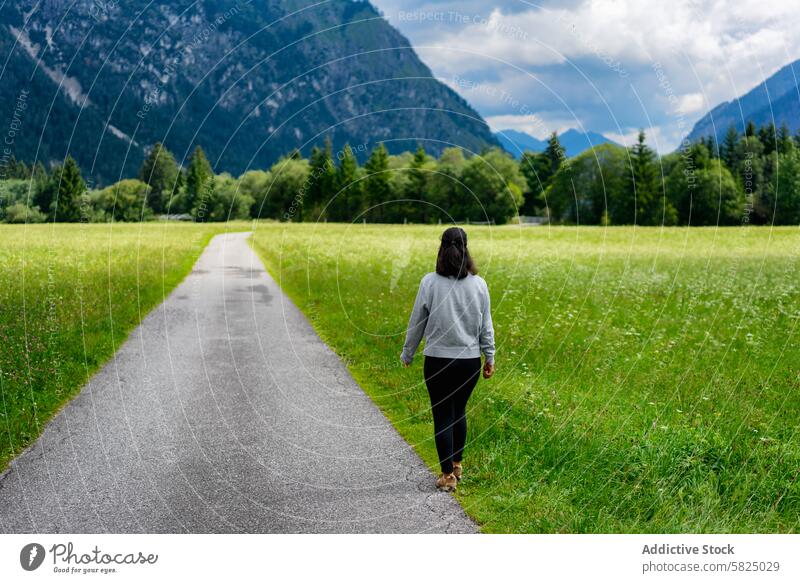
(447, 483)
(457, 470)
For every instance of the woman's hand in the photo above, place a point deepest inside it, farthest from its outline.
(488, 370)
(405, 364)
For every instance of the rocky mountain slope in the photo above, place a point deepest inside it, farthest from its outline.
(249, 80)
(777, 100)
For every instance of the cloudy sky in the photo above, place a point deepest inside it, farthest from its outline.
(610, 66)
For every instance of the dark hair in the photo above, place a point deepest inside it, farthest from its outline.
(454, 259)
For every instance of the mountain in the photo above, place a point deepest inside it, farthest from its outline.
(776, 99)
(249, 80)
(516, 142)
(573, 141)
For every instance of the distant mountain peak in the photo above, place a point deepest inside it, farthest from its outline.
(774, 100)
(573, 141)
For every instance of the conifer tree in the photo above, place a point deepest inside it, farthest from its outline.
(203, 204)
(729, 147)
(538, 170)
(69, 190)
(416, 190)
(180, 181)
(159, 171)
(711, 145)
(785, 142)
(316, 164)
(198, 175)
(416, 187)
(38, 173)
(377, 184)
(554, 153)
(323, 180)
(751, 172)
(768, 136)
(535, 167)
(640, 188)
(44, 189)
(16, 169)
(347, 191)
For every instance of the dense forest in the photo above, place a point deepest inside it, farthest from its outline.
(752, 178)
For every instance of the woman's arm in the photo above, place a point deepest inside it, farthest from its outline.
(487, 329)
(416, 325)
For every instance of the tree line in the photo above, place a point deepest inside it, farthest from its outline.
(413, 187)
(749, 178)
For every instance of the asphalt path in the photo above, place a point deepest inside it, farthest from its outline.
(223, 412)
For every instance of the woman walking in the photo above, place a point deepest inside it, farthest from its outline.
(452, 311)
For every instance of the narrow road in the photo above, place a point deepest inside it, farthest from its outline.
(223, 412)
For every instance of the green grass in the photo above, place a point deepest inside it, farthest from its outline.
(647, 379)
(69, 296)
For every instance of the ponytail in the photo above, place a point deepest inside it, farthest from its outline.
(454, 259)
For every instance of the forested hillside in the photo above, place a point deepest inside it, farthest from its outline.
(249, 81)
(775, 100)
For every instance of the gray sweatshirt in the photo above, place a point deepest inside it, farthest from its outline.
(454, 316)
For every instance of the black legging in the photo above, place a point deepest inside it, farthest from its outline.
(450, 383)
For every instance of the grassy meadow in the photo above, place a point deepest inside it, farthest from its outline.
(69, 296)
(648, 379)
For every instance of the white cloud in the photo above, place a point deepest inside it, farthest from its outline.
(591, 60)
(691, 103)
(626, 139)
(631, 30)
(536, 125)
(662, 139)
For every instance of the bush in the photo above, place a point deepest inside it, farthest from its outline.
(22, 213)
(222, 201)
(12, 191)
(123, 201)
(494, 187)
